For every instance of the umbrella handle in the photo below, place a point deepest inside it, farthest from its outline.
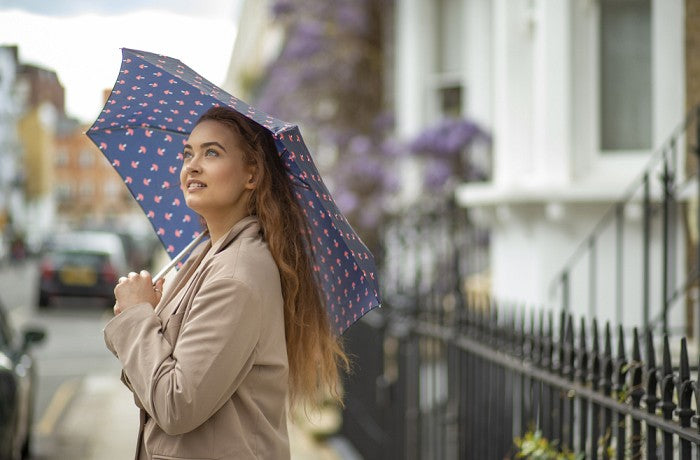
(164, 271)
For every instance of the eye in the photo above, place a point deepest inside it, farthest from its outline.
(211, 153)
(186, 154)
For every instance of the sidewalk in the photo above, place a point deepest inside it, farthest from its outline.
(102, 423)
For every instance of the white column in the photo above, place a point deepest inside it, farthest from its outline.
(411, 36)
(513, 98)
(552, 88)
(668, 62)
(478, 56)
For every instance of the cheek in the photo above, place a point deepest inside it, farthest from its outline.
(182, 177)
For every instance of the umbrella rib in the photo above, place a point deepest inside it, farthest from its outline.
(124, 128)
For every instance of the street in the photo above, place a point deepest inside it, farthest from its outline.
(72, 359)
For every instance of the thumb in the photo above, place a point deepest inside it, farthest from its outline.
(159, 287)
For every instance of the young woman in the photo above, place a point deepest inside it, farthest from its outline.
(241, 331)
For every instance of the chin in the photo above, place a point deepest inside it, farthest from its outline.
(192, 204)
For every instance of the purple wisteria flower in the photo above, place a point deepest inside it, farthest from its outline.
(328, 79)
(448, 138)
(447, 147)
(305, 41)
(436, 175)
(282, 7)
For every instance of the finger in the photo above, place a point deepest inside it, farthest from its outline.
(132, 275)
(116, 309)
(145, 274)
(160, 283)
(158, 287)
(121, 279)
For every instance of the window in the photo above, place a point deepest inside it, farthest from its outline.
(61, 157)
(625, 75)
(449, 44)
(86, 158)
(446, 79)
(112, 188)
(63, 192)
(87, 190)
(450, 100)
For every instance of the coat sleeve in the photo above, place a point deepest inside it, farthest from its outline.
(182, 387)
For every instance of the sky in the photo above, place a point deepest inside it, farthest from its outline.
(81, 39)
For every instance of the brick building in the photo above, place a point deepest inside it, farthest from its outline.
(87, 190)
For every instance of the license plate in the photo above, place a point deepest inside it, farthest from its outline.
(78, 276)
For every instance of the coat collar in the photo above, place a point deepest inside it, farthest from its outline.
(246, 227)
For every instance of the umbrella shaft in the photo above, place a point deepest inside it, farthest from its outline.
(164, 271)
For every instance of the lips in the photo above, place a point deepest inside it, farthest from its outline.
(193, 184)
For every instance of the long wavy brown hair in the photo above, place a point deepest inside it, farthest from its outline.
(314, 351)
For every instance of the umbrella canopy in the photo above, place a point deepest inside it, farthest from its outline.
(152, 109)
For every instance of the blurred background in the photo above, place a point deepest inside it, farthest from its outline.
(506, 161)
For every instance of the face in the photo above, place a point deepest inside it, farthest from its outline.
(214, 178)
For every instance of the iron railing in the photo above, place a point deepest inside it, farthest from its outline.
(466, 384)
(659, 191)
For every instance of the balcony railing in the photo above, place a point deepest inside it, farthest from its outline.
(664, 192)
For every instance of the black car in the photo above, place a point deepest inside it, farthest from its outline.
(17, 388)
(77, 273)
(81, 264)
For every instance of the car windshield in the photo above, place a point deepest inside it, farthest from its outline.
(79, 258)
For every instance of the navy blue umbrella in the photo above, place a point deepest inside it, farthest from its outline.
(153, 107)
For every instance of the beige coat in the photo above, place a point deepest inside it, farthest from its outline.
(208, 368)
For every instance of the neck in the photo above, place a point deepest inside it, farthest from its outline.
(220, 226)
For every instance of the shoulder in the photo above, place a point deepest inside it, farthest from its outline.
(247, 259)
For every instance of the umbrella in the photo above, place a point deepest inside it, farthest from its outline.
(153, 107)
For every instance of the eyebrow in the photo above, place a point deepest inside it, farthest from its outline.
(207, 144)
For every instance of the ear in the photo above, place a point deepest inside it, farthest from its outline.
(252, 181)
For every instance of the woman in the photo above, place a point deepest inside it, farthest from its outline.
(241, 330)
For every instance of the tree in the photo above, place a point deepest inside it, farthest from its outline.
(329, 78)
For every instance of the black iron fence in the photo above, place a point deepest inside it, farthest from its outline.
(445, 374)
(667, 204)
(468, 383)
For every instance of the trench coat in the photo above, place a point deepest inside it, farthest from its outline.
(208, 367)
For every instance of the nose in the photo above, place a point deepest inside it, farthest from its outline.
(192, 166)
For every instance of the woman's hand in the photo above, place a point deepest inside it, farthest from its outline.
(135, 289)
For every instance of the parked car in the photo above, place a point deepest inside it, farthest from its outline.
(81, 264)
(18, 383)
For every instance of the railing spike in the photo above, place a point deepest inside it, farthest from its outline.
(667, 368)
(562, 326)
(684, 372)
(636, 352)
(596, 344)
(636, 365)
(570, 331)
(651, 354)
(620, 342)
(608, 340)
(582, 353)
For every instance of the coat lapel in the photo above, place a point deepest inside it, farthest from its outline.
(187, 276)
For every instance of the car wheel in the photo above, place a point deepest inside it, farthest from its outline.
(43, 299)
(27, 445)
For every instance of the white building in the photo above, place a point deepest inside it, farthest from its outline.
(11, 194)
(577, 95)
